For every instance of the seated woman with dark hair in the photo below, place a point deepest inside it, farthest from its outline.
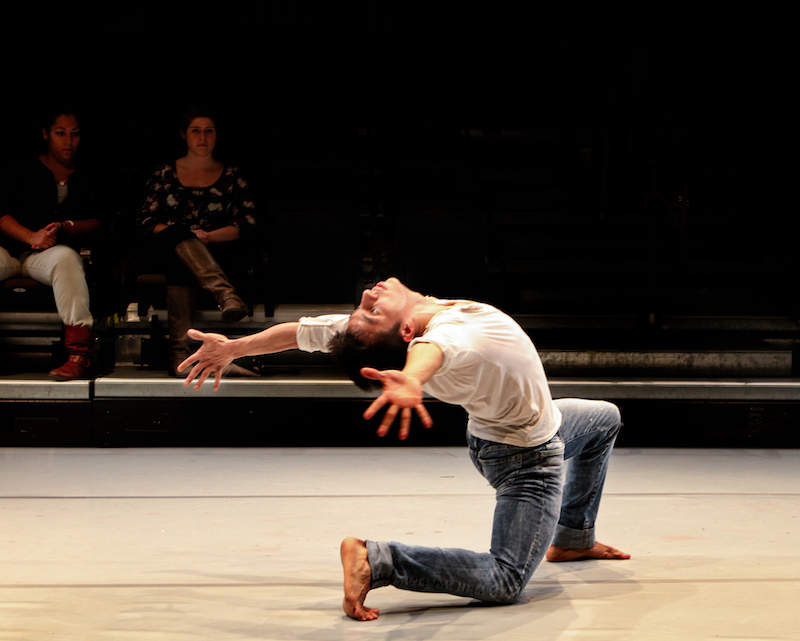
(53, 209)
(195, 210)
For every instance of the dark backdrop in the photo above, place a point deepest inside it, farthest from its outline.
(703, 90)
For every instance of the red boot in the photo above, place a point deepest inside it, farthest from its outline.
(79, 342)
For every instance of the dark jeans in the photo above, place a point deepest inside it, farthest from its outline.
(530, 512)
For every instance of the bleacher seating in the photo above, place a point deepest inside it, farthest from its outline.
(646, 302)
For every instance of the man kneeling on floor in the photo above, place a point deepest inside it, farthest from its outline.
(546, 459)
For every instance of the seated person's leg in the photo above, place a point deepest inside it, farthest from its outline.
(10, 267)
(61, 267)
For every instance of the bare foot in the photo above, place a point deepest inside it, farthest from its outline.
(357, 579)
(599, 550)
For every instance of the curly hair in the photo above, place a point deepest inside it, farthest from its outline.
(386, 350)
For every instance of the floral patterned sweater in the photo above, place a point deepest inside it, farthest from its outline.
(226, 202)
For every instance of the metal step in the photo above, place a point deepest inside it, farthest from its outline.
(329, 383)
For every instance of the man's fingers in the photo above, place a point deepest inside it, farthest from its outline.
(373, 408)
(372, 373)
(186, 363)
(391, 414)
(405, 424)
(424, 416)
(388, 419)
(192, 374)
(204, 374)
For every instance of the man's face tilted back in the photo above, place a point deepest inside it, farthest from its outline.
(381, 308)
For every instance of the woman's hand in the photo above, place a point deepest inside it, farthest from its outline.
(219, 235)
(402, 393)
(45, 237)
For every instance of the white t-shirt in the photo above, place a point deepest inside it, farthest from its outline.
(316, 332)
(490, 368)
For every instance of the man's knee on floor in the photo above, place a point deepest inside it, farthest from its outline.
(506, 597)
(508, 590)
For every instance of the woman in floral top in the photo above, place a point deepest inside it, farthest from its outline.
(223, 205)
(194, 211)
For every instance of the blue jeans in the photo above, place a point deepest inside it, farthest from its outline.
(539, 502)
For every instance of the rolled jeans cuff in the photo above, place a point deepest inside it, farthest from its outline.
(380, 563)
(566, 537)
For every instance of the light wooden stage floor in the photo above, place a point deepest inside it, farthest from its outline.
(237, 544)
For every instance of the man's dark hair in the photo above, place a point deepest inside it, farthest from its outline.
(386, 350)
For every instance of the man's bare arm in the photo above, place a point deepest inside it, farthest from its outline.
(217, 351)
(278, 338)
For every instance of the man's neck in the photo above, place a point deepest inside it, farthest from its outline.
(424, 310)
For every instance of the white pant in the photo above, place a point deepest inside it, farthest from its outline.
(60, 267)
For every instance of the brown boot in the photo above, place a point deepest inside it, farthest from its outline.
(195, 255)
(79, 343)
(180, 309)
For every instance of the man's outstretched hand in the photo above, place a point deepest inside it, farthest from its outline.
(214, 355)
(401, 393)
